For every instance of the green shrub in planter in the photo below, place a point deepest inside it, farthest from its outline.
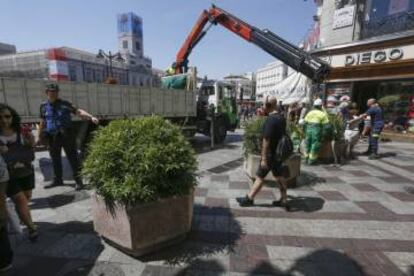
(139, 161)
(252, 140)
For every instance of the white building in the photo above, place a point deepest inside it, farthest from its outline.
(245, 85)
(70, 64)
(268, 76)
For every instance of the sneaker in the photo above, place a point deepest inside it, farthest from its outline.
(6, 267)
(55, 183)
(33, 234)
(281, 203)
(373, 156)
(245, 201)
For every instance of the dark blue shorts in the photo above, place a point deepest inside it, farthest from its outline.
(277, 168)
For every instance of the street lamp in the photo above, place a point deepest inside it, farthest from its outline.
(109, 56)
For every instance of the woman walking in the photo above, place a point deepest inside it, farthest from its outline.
(16, 147)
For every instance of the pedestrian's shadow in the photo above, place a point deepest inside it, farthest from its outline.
(323, 262)
(305, 204)
(59, 200)
(214, 231)
(300, 204)
(46, 168)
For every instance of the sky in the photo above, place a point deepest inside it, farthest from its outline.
(91, 25)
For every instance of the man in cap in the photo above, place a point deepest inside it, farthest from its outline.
(316, 121)
(273, 130)
(56, 129)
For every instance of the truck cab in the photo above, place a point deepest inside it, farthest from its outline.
(218, 97)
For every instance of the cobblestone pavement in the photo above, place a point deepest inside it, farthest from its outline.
(357, 219)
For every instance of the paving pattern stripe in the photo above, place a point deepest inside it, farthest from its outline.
(345, 244)
(390, 168)
(251, 213)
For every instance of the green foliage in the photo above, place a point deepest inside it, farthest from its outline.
(138, 161)
(337, 127)
(252, 142)
(388, 100)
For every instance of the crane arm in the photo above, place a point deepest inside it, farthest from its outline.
(279, 48)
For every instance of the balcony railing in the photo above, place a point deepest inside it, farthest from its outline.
(387, 25)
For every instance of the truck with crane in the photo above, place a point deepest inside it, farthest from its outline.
(194, 110)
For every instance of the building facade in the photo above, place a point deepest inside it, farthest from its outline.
(7, 49)
(245, 85)
(70, 64)
(370, 47)
(268, 76)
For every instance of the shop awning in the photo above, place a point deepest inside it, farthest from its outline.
(295, 88)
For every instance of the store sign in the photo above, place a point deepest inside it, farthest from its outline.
(344, 17)
(374, 57)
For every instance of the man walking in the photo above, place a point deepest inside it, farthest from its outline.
(273, 130)
(377, 124)
(56, 129)
(315, 123)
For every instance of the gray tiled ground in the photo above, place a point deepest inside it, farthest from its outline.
(351, 220)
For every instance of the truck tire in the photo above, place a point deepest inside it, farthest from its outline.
(220, 130)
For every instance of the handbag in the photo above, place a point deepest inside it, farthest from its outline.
(19, 158)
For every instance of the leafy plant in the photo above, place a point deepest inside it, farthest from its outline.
(337, 127)
(138, 161)
(388, 100)
(252, 142)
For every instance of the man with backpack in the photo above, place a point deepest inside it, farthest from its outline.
(276, 148)
(56, 129)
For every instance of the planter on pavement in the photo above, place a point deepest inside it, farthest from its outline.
(145, 228)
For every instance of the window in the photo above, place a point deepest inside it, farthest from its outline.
(137, 46)
(125, 44)
(72, 73)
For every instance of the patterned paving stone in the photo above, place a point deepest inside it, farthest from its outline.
(357, 219)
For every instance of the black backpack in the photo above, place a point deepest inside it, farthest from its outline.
(284, 148)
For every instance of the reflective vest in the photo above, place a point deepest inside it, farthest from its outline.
(57, 117)
(317, 116)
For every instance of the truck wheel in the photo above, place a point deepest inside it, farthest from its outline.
(220, 131)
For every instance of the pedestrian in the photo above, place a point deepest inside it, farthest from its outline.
(273, 130)
(16, 147)
(377, 124)
(56, 130)
(6, 253)
(316, 122)
(245, 113)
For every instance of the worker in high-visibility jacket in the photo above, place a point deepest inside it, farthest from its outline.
(171, 70)
(316, 121)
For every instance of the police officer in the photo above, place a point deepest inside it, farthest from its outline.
(377, 124)
(56, 130)
(316, 122)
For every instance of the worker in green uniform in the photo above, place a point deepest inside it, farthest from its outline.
(316, 121)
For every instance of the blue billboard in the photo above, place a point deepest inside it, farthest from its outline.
(130, 23)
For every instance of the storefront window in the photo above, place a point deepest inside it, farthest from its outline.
(387, 16)
(397, 101)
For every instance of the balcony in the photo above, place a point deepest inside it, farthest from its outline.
(387, 25)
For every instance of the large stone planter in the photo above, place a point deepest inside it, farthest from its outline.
(326, 154)
(144, 228)
(251, 163)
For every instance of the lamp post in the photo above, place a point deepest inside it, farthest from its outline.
(109, 56)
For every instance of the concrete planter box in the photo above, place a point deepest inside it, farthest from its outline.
(144, 228)
(251, 163)
(326, 154)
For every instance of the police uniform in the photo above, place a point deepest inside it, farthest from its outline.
(59, 134)
(377, 124)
